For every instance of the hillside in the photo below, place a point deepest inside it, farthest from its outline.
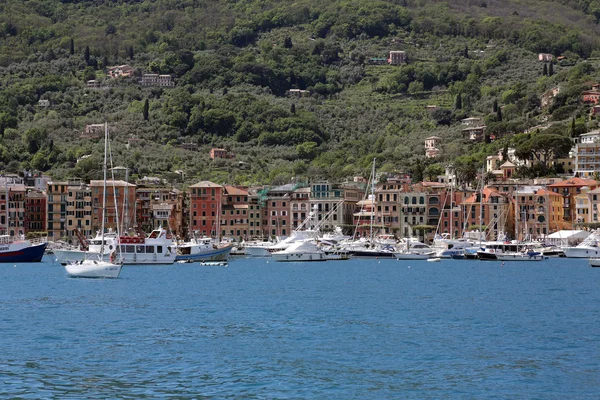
(234, 61)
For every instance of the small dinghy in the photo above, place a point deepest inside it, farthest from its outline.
(435, 259)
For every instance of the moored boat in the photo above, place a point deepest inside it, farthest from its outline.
(521, 256)
(202, 249)
(594, 262)
(93, 269)
(300, 251)
(18, 251)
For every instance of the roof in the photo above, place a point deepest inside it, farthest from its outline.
(566, 234)
(508, 164)
(575, 182)
(111, 183)
(434, 137)
(205, 184)
(487, 194)
(234, 191)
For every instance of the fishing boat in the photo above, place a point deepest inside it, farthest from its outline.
(20, 250)
(158, 248)
(96, 267)
(203, 249)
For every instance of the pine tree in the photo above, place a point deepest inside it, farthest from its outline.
(545, 72)
(72, 47)
(550, 70)
(146, 110)
(495, 106)
(86, 55)
(499, 115)
(458, 102)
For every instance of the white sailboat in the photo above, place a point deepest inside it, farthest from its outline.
(96, 267)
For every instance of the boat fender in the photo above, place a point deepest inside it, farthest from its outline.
(112, 257)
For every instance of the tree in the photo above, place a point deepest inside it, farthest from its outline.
(550, 69)
(86, 55)
(466, 52)
(433, 171)
(293, 108)
(146, 110)
(495, 105)
(545, 71)
(499, 114)
(111, 29)
(288, 43)
(130, 52)
(458, 102)
(72, 47)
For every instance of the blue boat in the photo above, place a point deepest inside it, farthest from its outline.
(20, 251)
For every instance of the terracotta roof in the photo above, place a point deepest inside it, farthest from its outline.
(575, 182)
(234, 191)
(110, 183)
(507, 164)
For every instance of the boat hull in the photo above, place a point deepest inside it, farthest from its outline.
(299, 257)
(594, 262)
(93, 269)
(582, 252)
(220, 254)
(409, 256)
(22, 253)
(520, 257)
(370, 254)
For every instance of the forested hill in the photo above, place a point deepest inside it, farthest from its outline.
(234, 63)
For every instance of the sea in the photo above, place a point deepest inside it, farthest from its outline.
(258, 329)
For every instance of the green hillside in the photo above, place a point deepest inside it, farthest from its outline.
(234, 61)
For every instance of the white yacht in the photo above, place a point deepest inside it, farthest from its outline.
(157, 248)
(586, 249)
(413, 249)
(305, 250)
(446, 247)
(203, 249)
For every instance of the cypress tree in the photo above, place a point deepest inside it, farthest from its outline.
(550, 70)
(495, 106)
(86, 55)
(293, 108)
(458, 103)
(573, 127)
(466, 52)
(130, 52)
(545, 72)
(499, 115)
(146, 110)
(72, 47)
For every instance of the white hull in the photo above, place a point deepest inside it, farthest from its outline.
(413, 256)
(520, 257)
(582, 252)
(93, 269)
(295, 257)
(257, 251)
(594, 262)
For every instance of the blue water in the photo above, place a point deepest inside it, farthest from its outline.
(358, 329)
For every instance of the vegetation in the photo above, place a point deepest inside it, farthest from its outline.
(234, 63)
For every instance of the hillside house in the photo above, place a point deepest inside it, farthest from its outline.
(220, 153)
(548, 96)
(44, 103)
(474, 133)
(157, 80)
(545, 57)
(471, 121)
(120, 71)
(397, 57)
(92, 83)
(298, 93)
(432, 144)
(93, 131)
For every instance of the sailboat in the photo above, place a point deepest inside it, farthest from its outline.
(96, 267)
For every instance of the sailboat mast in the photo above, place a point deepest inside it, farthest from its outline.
(104, 168)
(516, 214)
(6, 206)
(372, 199)
(481, 208)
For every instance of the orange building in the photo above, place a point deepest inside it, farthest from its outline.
(120, 200)
(234, 213)
(205, 206)
(568, 189)
(491, 210)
